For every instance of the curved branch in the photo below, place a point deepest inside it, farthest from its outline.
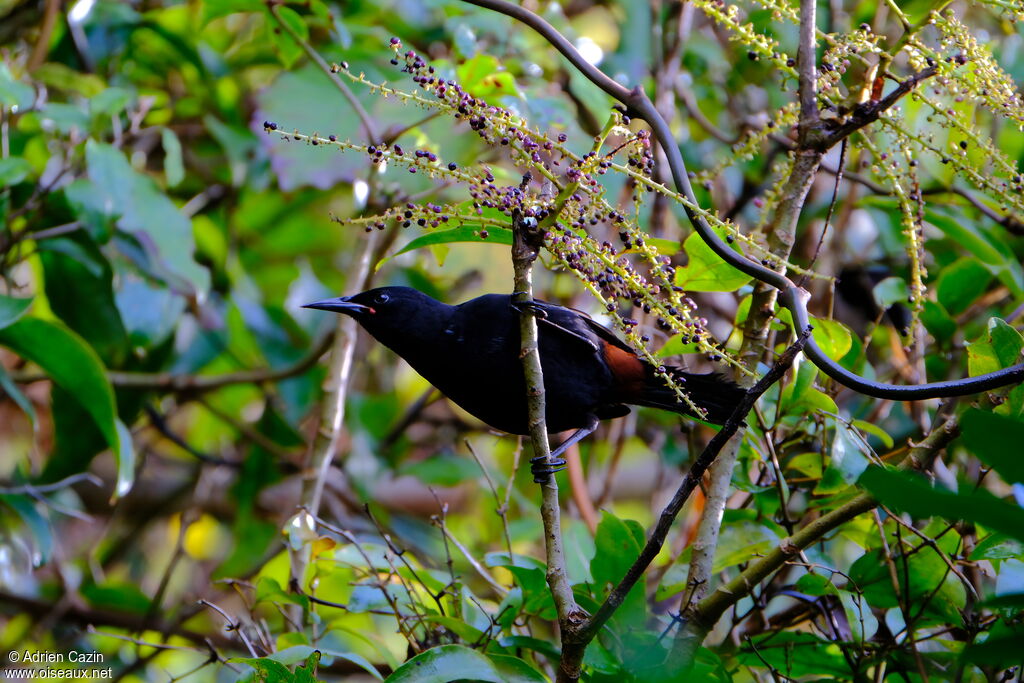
(791, 296)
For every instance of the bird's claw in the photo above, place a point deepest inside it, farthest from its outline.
(542, 468)
(535, 309)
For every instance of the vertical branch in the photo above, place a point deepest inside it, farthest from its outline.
(526, 243)
(325, 445)
(332, 414)
(806, 59)
(781, 236)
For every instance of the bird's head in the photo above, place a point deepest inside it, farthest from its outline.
(385, 312)
(385, 302)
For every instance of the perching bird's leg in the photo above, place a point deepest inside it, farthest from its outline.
(542, 471)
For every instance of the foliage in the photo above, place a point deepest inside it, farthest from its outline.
(168, 178)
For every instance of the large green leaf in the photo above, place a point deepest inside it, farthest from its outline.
(444, 664)
(11, 309)
(909, 493)
(482, 76)
(13, 170)
(1000, 349)
(514, 670)
(988, 434)
(463, 233)
(991, 252)
(960, 283)
(617, 545)
(14, 93)
(84, 299)
(706, 271)
(147, 214)
(75, 367)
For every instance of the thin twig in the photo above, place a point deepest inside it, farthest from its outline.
(346, 92)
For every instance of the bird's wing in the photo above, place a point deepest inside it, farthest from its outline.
(579, 325)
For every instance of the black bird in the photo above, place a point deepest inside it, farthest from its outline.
(470, 352)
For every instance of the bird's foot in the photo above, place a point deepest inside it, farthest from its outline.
(542, 468)
(535, 309)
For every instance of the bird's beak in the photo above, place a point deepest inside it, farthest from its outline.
(340, 305)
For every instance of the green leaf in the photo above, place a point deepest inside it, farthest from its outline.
(12, 308)
(908, 493)
(13, 170)
(997, 547)
(7, 386)
(891, 290)
(938, 322)
(706, 271)
(174, 169)
(482, 76)
(960, 283)
(987, 436)
(146, 213)
(62, 77)
(123, 597)
(833, 337)
(1000, 349)
(742, 538)
(267, 670)
(38, 526)
(1001, 648)
(539, 645)
(515, 670)
(14, 93)
(213, 9)
(1006, 341)
(84, 301)
(73, 365)
(616, 548)
(800, 397)
(874, 430)
(848, 455)
(923, 576)
(287, 49)
(109, 101)
(463, 233)
(445, 664)
(991, 251)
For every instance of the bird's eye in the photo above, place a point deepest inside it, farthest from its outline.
(382, 298)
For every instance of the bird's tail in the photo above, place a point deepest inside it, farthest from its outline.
(715, 393)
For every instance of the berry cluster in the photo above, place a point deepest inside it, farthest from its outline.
(567, 199)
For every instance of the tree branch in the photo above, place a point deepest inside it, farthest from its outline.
(700, 619)
(689, 483)
(524, 251)
(182, 383)
(790, 295)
